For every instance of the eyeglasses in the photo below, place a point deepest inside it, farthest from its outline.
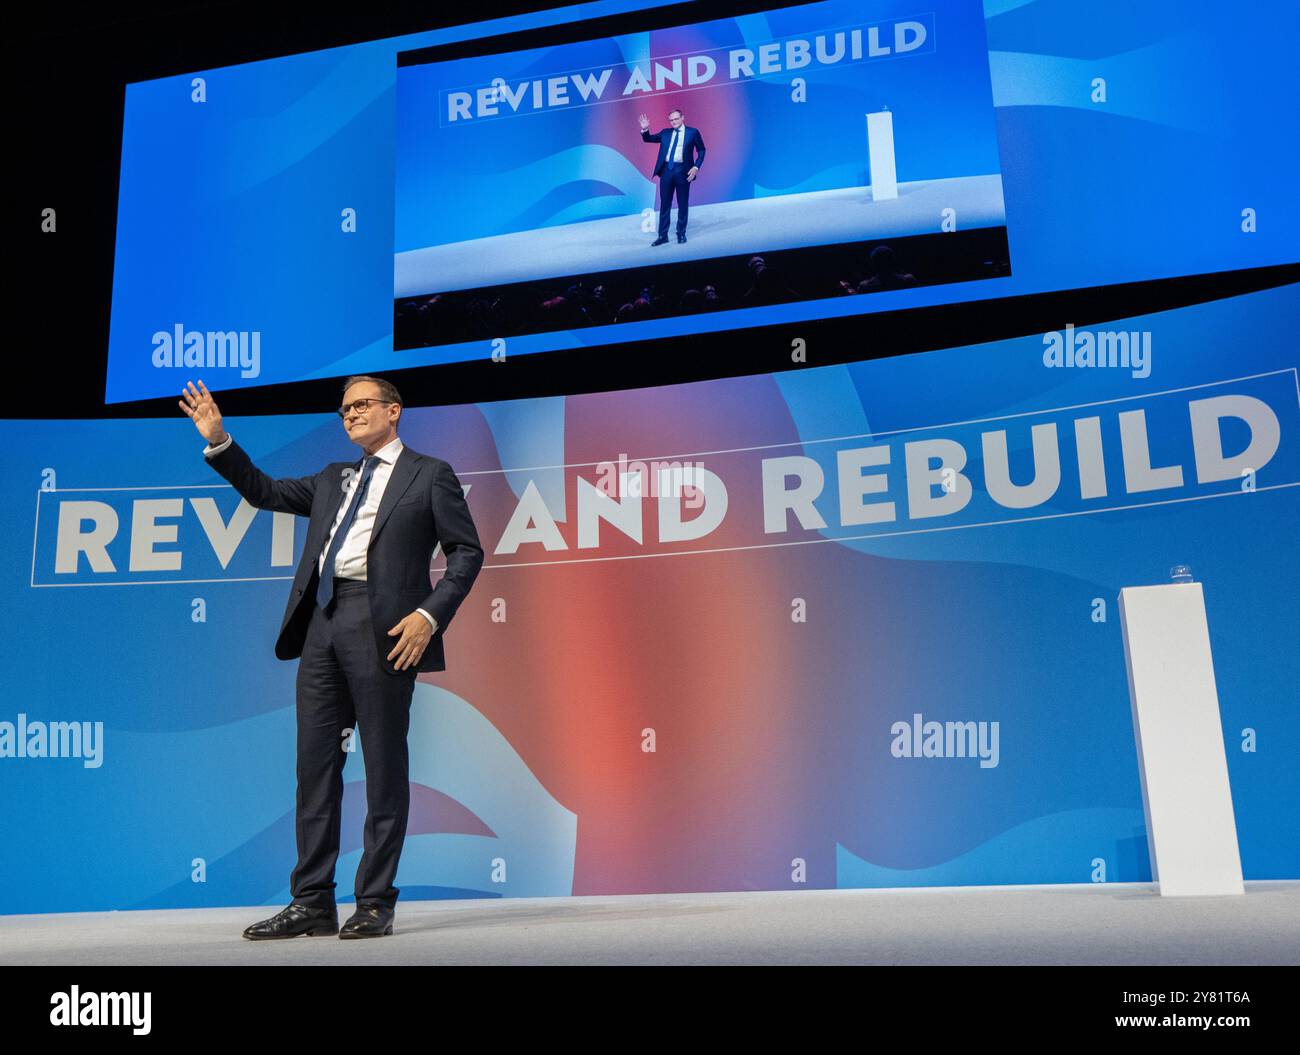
(360, 405)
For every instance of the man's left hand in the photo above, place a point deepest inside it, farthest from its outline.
(690, 173)
(416, 635)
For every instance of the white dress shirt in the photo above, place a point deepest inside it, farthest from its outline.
(675, 147)
(350, 561)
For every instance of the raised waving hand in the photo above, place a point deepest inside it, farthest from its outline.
(202, 410)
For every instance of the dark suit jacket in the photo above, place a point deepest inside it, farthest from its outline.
(692, 146)
(423, 504)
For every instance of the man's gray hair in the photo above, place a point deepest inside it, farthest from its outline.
(387, 390)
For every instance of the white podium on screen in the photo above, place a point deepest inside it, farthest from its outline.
(880, 156)
(1191, 827)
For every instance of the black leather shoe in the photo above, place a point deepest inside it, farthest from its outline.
(369, 921)
(659, 241)
(681, 238)
(296, 920)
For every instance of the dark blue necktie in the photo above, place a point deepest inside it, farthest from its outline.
(672, 146)
(325, 590)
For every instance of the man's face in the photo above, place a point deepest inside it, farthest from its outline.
(375, 422)
(675, 119)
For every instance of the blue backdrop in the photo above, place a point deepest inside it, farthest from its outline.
(155, 637)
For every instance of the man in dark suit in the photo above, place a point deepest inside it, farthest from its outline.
(681, 153)
(363, 580)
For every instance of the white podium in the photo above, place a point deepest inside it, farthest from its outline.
(880, 156)
(1191, 828)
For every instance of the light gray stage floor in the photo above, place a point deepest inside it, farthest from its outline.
(780, 221)
(1110, 924)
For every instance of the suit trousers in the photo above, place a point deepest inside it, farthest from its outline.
(342, 686)
(672, 177)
